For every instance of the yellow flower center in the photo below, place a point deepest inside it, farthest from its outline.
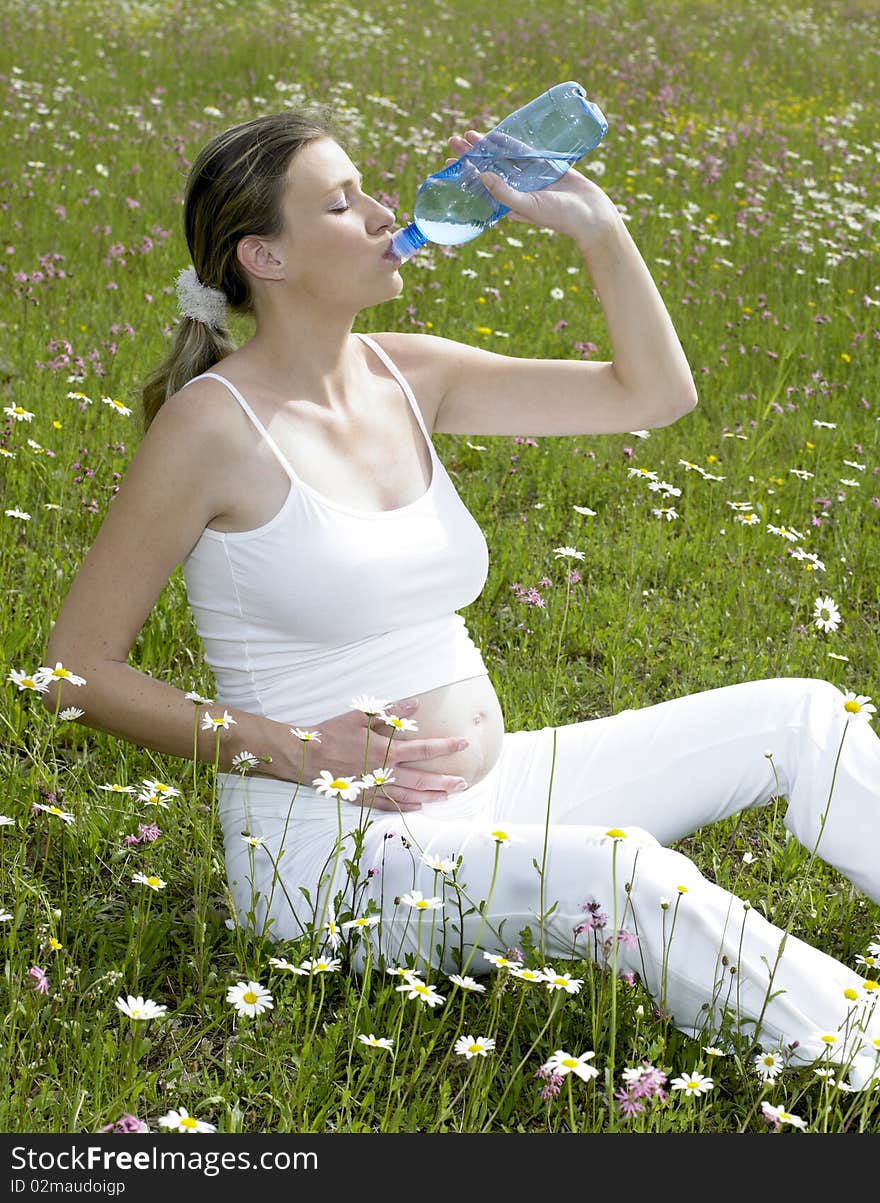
(188, 1121)
(475, 1048)
(851, 994)
(616, 833)
(852, 707)
(338, 783)
(29, 682)
(869, 985)
(569, 1062)
(829, 1039)
(682, 889)
(152, 881)
(422, 903)
(249, 997)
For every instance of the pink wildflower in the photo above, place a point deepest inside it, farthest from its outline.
(40, 980)
(126, 1123)
(552, 1083)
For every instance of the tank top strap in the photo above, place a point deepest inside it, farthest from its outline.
(401, 380)
(253, 417)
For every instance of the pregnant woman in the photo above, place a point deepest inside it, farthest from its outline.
(326, 553)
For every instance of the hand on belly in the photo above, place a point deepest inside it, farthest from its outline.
(470, 710)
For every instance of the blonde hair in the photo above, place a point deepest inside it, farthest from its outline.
(235, 187)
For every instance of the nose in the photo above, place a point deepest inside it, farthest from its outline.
(384, 217)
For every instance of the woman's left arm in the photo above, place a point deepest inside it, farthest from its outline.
(648, 382)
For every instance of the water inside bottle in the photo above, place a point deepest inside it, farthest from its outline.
(453, 207)
(527, 171)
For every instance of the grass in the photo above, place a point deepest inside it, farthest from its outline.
(742, 151)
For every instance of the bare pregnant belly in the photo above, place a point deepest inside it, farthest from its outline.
(469, 710)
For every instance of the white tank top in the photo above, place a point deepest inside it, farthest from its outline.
(324, 602)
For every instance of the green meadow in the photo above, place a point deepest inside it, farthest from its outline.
(742, 151)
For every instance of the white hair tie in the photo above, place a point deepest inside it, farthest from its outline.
(198, 301)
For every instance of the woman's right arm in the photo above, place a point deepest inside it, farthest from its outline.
(169, 494)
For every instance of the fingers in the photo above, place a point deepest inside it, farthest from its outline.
(425, 749)
(398, 798)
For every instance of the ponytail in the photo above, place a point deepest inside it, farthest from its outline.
(235, 187)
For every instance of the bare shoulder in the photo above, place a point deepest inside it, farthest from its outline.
(169, 493)
(427, 361)
(213, 430)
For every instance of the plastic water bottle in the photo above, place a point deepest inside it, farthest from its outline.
(530, 149)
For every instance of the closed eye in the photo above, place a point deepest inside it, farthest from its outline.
(339, 209)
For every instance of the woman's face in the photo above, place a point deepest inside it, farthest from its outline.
(335, 235)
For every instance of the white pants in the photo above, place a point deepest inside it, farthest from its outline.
(658, 774)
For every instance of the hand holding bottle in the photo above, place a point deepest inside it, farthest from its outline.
(530, 149)
(573, 204)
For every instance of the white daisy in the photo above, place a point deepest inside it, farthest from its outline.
(210, 723)
(376, 1041)
(440, 864)
(564, 1063)
(768, 1065)
(336, 787)
(64, 815)
(155, 883)
(362, 923)
(60, 673)
(474, 1046)
(417, 900)
(182, 1121)
(117, 405)
(368, 704)
(692, 1083)
(249, 998)
(826, 615)
(138, 1007)
(858, 706)
(467, 983)
(24, 680)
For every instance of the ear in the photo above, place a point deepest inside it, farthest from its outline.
(257, 256)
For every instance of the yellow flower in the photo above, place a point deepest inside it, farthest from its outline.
(682, 889)
(616, 833)
(55, 945)
(484, 329)
(851, 994)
